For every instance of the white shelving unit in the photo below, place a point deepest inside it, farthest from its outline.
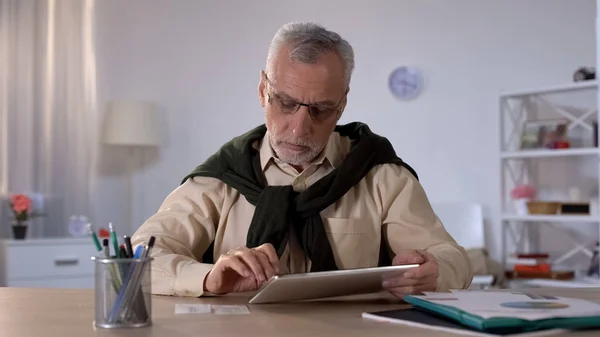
(552, 170)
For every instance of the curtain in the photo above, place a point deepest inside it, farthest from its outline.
(48, 108)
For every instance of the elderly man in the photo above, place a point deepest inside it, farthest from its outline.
(301, 193)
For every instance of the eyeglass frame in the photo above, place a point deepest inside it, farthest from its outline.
(337, 108)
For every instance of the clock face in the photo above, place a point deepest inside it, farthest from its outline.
(405, 83)
(78, 226)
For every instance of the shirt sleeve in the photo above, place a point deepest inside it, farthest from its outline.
(409, 222)
(184, 227)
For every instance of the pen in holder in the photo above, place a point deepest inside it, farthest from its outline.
(122, 292)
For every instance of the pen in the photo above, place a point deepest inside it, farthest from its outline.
(116, 281)
(128, 246)
(106, 248)
(113, 236)
(149, 246)
(94, 237)
(123, 252)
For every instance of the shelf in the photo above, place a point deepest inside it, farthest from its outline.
(552, 90)
(545, 153)
(552, 218)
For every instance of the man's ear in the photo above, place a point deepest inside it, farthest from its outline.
(261, 89)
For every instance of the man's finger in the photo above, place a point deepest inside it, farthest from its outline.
(431, 279)
(398, 282)
(265, 263)
(234, 262)
(408, 257)
(412, 290)
(395, 282)
(424, 270)
(269, 250)
(250, 259)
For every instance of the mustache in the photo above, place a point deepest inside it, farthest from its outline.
(297, 141)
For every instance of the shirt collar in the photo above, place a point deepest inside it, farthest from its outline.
(335, 149)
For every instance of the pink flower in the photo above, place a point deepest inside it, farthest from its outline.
(21, 205)
(523, 192)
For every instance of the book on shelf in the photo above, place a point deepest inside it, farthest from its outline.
(529, 259)
(563, 275)
(538, 263)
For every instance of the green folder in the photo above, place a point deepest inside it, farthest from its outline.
(502, 324)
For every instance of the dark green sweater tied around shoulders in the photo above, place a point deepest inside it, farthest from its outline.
(277, 208)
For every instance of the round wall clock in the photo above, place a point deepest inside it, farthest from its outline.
(405, 83)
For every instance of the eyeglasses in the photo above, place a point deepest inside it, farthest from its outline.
(288, 106)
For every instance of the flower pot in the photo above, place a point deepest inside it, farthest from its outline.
(19, 232)
(521, 206)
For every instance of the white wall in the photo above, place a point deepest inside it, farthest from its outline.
(201, 60)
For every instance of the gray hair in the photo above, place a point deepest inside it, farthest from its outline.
(308, 41)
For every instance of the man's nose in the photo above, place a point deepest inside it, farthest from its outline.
(302, 122)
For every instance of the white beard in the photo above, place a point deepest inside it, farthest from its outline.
(312, 151)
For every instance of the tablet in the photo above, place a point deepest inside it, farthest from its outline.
(295, 287)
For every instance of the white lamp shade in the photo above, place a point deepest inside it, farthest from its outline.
(132, 123)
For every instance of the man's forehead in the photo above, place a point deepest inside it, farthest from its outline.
(305, 78)
(299, 89)
(328, 67)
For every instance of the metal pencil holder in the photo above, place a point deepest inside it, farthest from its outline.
(122, 292)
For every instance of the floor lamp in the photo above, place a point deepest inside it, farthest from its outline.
(135, 125)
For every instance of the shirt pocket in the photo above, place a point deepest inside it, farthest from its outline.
(351, 241)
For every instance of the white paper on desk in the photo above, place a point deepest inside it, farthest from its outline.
(211, 309)
(192, 309)
(230, 309)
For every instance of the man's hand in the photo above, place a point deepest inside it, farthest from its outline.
(416, 280)
(242, 269)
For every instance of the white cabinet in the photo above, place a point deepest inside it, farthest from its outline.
(47, 263)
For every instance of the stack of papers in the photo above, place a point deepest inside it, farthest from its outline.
(505, 312)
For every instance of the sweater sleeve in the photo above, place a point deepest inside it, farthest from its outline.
(184, 227)
(409, 222)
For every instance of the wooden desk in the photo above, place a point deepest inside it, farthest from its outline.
(27, 312)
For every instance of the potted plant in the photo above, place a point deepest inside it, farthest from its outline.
(522, 194)
(20, 205)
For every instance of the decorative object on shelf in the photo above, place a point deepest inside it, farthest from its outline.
(521, 195)
(575, 194)
(543, 207)
(20, 204)
(575, 208)
(405, 83)
(549, 134)
(584, 74)
(576, 205)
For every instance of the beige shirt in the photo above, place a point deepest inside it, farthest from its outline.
(387, 203)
